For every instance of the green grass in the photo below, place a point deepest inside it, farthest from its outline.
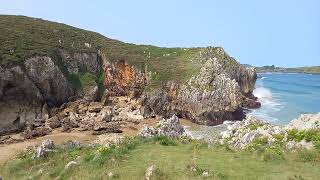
(23, 37)
(310, 69)
(88, 79)
(174, 159)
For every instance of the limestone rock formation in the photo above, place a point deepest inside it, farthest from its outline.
(210, 97)
(121, 79)
(166, 127)
(242, 133)
(109, 139)
(45, 147)
(150, 172)
(305, 122)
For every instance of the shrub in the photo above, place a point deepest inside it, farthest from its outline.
(312, 135)
(254, 126)
(273, 153)
(165, 141)
(278, 137)
(88, 79)
(258, 144)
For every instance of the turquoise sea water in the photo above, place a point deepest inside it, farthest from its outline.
(286, 96)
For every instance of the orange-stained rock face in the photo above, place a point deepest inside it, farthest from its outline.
(122, 79)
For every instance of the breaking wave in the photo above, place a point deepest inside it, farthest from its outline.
(270, 104)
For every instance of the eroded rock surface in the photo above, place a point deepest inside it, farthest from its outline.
(242, 134)
(109, 139)
(166, 127)
(217, 93)
(121, 79)
(305, 121)
(45, 147)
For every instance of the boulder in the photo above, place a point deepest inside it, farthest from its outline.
(45, 147)
(53, 122)
(109, 139)
(150, 172)
(34, 133)
(166, 127)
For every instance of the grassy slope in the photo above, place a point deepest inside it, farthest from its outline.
(311, 69)
(173, 158)
(22, 37)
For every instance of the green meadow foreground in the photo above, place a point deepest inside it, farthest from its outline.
(173, 158)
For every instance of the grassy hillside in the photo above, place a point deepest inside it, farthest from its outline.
(22, 37)
(311, 69)
(175, 159)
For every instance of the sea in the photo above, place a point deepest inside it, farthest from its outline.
(285, 96)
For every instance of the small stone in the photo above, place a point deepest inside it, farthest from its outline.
(71, 163)
(150, 172)
(205, 173)
(110, 174)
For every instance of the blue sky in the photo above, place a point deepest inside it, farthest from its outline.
(280, 32)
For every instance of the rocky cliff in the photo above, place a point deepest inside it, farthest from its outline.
(29, 90)
(215, 94)
(57, 64)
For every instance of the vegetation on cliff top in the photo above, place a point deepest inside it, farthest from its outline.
(175, 159)
(311, 69)
(23, 37)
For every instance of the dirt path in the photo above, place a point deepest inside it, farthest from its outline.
(11, 150)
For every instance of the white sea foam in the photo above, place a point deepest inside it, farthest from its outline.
(269, 102)
(262, 93)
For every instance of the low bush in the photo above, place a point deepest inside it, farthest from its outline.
(273, 152)
(312, 135)
(258, 144)
(165, 141)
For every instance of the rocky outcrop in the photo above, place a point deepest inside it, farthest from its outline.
(217, 93)
(108, 140)
(121, 79)
(300, 133)
(45, 147)
(166, 127)
(28, 91)
(52, 84)
(305, 122)
(81, 62)
(20, 98)
(240, 134)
